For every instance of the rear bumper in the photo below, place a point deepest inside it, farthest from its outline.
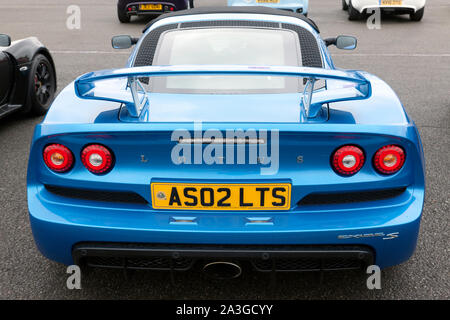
(298, 7)
(131, 8)
(59, 227)
(179, 257)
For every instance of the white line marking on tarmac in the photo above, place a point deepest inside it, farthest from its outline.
(424, 55)
(88, 52)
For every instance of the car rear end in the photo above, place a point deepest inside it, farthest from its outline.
(154, 7)
(397, 6)
(238, 177)
(298, 6)
(328, 220)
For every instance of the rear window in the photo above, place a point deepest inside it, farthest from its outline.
(239, 46)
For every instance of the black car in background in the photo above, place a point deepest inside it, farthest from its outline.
(128, 8)
(27, 76)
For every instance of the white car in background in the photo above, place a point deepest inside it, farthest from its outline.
(299, 6)
(358, 8)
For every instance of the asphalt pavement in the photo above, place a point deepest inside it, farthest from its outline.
(413, 57)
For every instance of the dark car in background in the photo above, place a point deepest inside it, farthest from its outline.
(128, 8)
(27, 76)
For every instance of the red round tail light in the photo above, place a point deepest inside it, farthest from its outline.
(58, 158)
(348, 160)
(97, 158)
(389, 159)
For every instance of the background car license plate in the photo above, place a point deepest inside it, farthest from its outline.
(188, 196)
(391, 2)
(149, 7)
(267, 1)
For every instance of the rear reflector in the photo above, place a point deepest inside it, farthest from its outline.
(58, 158)
(389, 159)
(348, 160)
(97, 159)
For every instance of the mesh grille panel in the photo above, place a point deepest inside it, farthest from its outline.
(349, 197)
(150, 263)
(307, 264)
(148, 47)
(183, 257)
(308, 44)
(230, 23)
(97, 195)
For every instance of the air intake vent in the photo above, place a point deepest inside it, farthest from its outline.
(97, 195)
(349, 197)
(308, 264)
(138, 263)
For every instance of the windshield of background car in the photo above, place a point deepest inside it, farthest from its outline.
(238, 46)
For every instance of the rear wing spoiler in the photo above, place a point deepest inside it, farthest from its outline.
(132, 93)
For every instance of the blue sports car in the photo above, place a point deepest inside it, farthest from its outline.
(299, 6)
(229, 140)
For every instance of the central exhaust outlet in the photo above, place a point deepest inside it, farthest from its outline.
(222, 270)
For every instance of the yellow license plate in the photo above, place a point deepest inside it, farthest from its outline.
(391, 2)
(244, 197)
(267, 1)
(150, 7)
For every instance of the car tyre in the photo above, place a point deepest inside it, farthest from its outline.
(353, 14)
(344, 5)
(418, 15)
(123, 17)
(42, 85)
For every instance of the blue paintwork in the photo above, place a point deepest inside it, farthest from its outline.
(59, 223)
(292, 5)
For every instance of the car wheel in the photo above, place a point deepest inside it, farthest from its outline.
(418, 15)
(123, 17)
(42, 85)
(344, 5)
(353, 14)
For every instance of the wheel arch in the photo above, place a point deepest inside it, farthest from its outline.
(22, 53)
(46, 53)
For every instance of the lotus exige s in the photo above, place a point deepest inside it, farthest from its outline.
(229, 139)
